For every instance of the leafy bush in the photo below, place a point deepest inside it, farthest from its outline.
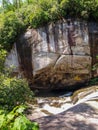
(84, 9)
(11, 27)
(16, 120)
(2, 58)
(94, 81)
(14, 92)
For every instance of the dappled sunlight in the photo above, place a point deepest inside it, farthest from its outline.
(79, 117)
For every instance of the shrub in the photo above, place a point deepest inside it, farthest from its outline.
(11, 27)
(2, 58)
(93, 81)
(14, 92)
(85, 9)
(16, 120)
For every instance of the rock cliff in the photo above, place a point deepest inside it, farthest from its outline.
(57, 55)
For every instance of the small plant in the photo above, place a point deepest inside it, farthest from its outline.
(2, 58)
(16, 120)
(14, 92)
(95, 67)
(94, 81)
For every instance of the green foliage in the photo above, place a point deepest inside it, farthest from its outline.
(16, 120)
(8, 5)
(94, 81)
(13, 92)
(2, 58)
(19, 15)
(10, 29)
(81, 8)
(95, 66)
(34, 15)
(39, 14)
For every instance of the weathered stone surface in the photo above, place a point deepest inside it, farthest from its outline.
(74, 64)
(85, 94)
(59, 54)
(82, 114)
(84, 50)
(43, 60)
(12, 60)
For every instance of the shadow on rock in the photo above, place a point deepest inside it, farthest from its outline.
(79, 117)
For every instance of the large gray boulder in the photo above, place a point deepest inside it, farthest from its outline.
(57, 55)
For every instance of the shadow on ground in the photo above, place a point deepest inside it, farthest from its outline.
(79, 117)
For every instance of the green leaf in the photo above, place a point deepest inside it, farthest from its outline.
(2, 120)
(22, 123)
(21, 109)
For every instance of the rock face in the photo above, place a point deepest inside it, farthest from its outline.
(58, 55)
(83, 116)
(82, 113)
(12, 60)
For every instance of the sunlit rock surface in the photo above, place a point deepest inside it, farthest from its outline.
(58, 55)
(12, 60)
(67, 113)
(83, 116)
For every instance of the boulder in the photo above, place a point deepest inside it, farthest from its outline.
(58, 55)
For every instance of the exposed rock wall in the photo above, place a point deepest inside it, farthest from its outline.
(93, 40)
(12, 60)
(59, 54)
